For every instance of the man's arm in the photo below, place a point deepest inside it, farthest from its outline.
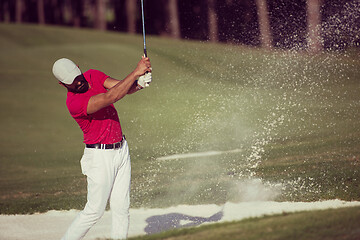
(118, 89)
(111, 82)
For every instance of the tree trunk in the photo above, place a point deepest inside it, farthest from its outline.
(77, 12)
(131, 16)
(174, 19)
(314, 24)
(40, 12)
(100, 19)
(120, 14)
(54, 12)
(264, 24)
(2, 11)
(19, 10)
(213, 24)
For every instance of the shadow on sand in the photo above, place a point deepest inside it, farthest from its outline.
(160, 223)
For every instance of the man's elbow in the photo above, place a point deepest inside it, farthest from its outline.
(99, 102)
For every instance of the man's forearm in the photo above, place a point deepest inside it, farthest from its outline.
(134, 88)
(122, 87)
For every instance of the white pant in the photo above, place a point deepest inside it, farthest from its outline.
(108, 178)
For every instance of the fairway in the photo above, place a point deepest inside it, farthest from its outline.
(285, 122)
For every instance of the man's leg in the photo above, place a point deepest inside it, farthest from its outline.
(120, 196)
(95, 165)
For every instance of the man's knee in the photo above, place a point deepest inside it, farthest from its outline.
(94, 212)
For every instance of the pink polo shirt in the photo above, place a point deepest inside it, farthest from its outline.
(102, 126)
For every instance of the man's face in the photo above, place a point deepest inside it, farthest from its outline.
(80, 85)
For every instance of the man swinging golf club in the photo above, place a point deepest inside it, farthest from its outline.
(106, 160)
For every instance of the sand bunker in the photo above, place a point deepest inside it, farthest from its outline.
(53, 224)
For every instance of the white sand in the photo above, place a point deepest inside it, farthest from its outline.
(51, 225)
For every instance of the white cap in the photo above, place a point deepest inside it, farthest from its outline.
(65, 70)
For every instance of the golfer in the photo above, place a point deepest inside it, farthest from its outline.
(106, 159)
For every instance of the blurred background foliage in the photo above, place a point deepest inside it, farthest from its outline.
(313, 25)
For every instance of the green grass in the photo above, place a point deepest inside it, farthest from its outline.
(294, 116)
(330, 225)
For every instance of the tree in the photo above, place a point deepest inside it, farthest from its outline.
(19, 10)
(4, 11)
(314, 39)
(264, 24)
(77, 12)
(120, 15)
(173, 15)
(131, 16)
(54, 11)
(100, 18)
(40, 12)
(212, 19)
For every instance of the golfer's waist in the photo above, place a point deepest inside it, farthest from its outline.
(107, 145)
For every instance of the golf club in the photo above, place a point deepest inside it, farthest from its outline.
(143, 26)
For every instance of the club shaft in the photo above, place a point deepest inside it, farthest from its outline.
(143, 26)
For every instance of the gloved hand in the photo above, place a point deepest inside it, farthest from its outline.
(145, 80)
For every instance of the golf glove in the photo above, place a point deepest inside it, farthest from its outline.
(145, 80)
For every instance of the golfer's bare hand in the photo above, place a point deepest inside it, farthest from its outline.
(143, 66)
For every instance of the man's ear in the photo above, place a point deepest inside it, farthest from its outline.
(62, 84)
